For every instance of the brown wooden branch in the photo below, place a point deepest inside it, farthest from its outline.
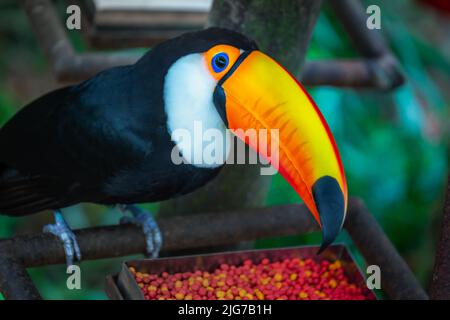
(377, 69)
(440, 284)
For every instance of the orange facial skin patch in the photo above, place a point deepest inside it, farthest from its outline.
(232, 52)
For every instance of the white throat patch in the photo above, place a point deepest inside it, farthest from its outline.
(188, 102)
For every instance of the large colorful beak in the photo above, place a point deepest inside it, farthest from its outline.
(258, 93)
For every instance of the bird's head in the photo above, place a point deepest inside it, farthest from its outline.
(219, 75)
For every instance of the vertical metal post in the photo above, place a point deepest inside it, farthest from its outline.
(15, 283)
(440, 283)
(397, 279)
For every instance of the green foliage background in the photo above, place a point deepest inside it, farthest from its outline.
(394, 145)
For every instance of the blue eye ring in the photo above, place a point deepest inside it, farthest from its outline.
(220, 62)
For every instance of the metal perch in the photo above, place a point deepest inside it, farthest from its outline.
(440, 284)
(189, 232)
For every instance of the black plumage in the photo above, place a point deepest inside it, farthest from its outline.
(104, 140)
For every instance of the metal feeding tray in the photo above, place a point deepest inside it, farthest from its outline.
(123, 285)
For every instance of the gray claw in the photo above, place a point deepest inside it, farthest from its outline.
(65, 234)
(149, 226)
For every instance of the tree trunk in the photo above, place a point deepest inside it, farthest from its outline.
(281, 29)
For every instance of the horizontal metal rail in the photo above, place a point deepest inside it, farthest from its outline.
(205, 230)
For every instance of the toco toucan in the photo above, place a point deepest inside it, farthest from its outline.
(109, 140)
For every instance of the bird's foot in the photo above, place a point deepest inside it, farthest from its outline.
(149, 226)
(62, 230)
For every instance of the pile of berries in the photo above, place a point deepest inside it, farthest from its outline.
(289, 279)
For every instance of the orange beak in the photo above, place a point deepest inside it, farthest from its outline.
(258, 93)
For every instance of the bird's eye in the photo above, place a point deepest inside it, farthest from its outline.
(220, 62)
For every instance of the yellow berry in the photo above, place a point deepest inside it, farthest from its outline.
(303, 295)
(278, 277)
(259, 294)
(179, 296)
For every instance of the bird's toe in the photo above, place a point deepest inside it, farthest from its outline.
(153, 237)
(61, 230)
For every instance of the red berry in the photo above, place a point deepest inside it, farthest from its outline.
(287, 279)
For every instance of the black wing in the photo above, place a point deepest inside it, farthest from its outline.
(63, 147)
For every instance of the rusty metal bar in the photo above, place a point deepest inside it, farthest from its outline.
(380, 70)
(351, 13)
(397, 280)
(440, 283)
(190, 232)
(67, 65)
(15, 283)
(380, 73)
(179, 232)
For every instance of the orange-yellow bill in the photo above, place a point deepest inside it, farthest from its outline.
(260, 94)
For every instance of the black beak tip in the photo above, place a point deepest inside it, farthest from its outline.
(330, 203)
(321, 249)
(324, 245)
(327, 239)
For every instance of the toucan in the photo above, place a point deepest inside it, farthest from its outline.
(109, 140)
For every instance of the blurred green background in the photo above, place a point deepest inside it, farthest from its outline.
(394, 145)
